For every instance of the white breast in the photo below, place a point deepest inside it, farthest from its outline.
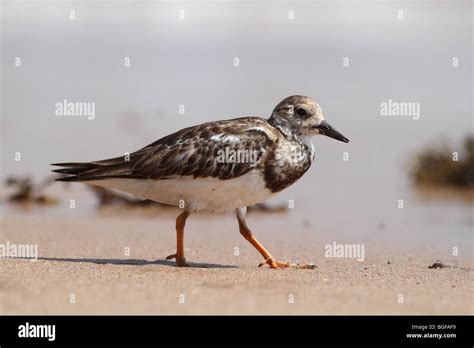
(307, 141)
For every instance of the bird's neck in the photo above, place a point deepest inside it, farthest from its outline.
(289, 131)
(308, 143)
(283, 126)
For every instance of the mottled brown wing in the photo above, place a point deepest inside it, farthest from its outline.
(195, 151)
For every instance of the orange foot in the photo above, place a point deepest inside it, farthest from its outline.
(180, 261)
(278, 264)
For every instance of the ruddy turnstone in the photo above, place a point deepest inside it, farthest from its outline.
(219, 166)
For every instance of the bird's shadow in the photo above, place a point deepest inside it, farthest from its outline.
(134, 262)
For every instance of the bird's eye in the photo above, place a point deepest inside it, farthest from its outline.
(301, 111)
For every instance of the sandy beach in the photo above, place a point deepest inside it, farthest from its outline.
(101, 80)
(113, 265)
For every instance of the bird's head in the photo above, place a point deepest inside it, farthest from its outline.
(302, 116)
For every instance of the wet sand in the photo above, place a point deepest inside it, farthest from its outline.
(85, 259)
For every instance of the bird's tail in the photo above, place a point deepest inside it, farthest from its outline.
(75, 170)
(117, 167)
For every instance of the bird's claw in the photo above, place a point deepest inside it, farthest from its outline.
(278, 264)
(180, 261)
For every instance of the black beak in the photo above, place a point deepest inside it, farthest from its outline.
(326, 129)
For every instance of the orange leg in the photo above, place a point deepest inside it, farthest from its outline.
(179, 256)
(268, 258)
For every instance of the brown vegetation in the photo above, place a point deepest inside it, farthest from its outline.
(439, 167)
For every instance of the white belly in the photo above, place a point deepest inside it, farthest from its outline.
(196, 194)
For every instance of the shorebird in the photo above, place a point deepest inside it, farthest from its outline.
(224, 165)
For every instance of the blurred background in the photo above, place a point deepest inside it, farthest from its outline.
(184, 53)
